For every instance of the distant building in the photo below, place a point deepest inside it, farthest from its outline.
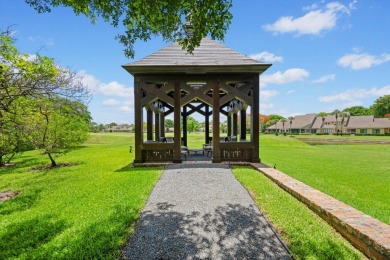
(330, 124)
(121, 128)
(300, 124)
(368, 125)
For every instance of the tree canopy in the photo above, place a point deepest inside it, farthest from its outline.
(22, 75)
(358, 111)
(381, 106)
(143, 19)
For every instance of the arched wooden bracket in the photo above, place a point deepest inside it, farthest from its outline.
(242, 93)
(196, 93)
(155, 93)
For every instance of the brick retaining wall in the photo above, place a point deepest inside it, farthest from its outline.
(340, 141)
(366, 233)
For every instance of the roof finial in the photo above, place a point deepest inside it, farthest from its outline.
(189, 26)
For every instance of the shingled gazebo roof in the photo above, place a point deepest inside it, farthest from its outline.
(209, 57)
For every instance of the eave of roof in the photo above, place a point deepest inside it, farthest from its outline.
(209, 57)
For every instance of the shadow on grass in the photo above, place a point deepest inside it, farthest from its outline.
(100, 240)
(21, 202)
(23, 238)
(230, 232)
(25, 163)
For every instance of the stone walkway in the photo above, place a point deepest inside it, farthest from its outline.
(368, 234)
(200, 211)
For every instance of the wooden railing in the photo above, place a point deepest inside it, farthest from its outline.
(152, 152)
(236, 151)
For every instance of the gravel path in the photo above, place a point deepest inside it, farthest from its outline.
(200, 211)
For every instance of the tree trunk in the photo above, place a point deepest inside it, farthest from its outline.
(53, 163)
(1, 160)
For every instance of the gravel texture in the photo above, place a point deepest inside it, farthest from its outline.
(200, 211)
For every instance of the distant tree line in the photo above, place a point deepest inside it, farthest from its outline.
(41, 104)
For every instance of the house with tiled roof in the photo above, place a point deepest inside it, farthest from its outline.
(299, 124)
(368, 125)
(332, 124)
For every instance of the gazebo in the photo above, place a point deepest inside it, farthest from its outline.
(213, 81)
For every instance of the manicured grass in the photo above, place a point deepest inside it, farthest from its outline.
(84, 211)
(358, 175)
(306, 234)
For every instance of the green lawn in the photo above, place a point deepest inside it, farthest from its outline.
(88, 210)
(84, 211)
(306, 234)
(358, 175)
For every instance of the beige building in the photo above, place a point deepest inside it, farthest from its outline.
(368, 125)
(332, 124)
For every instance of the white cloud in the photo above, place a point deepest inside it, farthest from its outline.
(110, 102)
(264, 107)
(112, 88)
(325, 78)
(290, 91)
(39, 39)
(314, 22)
(267, 94)
(349, 104)
(362, 61)
(288, 76)
(266, 57)
(354, 94)
(126, 109)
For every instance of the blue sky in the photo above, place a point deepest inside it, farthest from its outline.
(326, 55)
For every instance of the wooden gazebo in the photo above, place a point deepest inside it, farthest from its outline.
(214, 80)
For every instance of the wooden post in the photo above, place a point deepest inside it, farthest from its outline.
(176, 116)
(255, 119)
(229, 124)
(138, 124)
(185, 125)
(235, 119)
(149, 124)
(157, 126)
(162, 124)
(207, 125)
(216, 149)
(243, 124)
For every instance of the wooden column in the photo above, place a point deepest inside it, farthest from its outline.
(255, 119)
(207, 125)
(185, 125)
(138, 122)
(216, 149)
(157, 126)
(149, 124)
(243, 124)
(162, 124)
(229, 124)
(235, 119)
(176, 117)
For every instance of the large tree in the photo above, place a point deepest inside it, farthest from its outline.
(145, 18)
(358, 111)
(57, 125)
(381, 106)
(37, 76)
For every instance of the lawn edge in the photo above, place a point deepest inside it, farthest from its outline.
(364, 232)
